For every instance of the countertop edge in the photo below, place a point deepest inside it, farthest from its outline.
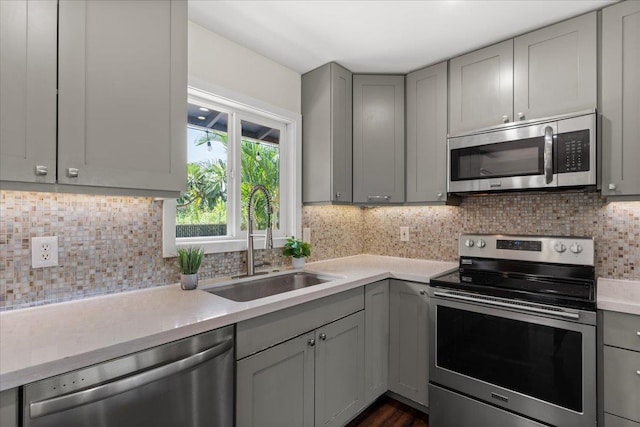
(39, 371)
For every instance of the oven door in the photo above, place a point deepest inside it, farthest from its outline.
(539, 365)
(507, 159)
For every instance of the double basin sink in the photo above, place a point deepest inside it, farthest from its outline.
(267, 286)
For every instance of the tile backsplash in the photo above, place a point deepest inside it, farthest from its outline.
(110, 244)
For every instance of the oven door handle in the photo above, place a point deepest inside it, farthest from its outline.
(548, 154)
(519, 307)
(104, 391)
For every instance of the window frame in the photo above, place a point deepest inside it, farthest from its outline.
(240, 107)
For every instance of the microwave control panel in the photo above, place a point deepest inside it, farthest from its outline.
(573, 151)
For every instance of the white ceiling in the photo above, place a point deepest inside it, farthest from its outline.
(376, 36)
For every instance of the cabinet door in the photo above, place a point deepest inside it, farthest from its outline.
(122, 103)
(376, 340)
(481, 88)
(9, 407)
(427, 134)
(408, 340)
(339, 371)
(327, 108)
(622, 383)
(341, 134)
(28, 90)
(620, 95)
(555, 69)
(274, 388)
(378, 139)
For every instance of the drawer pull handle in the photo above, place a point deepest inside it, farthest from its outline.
(638, 372)
(638, 333)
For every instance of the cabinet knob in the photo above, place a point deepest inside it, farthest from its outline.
(612, 187)
(338, 194)
(521, 116)
(439, 195)
(72, 172)
(323, 336)
(423, 292)
(311, 342)
(41, 170)
(505, 119)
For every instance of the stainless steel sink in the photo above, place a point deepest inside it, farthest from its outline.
(267, 286)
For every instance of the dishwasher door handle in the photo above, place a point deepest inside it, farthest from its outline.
(104, 391)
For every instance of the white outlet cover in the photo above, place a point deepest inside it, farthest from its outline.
(44, 251)
(306, 234)
(404, 234)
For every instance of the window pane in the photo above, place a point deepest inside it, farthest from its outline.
(260, 158)
(202, 209)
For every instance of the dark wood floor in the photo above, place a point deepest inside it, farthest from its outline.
(386, 412)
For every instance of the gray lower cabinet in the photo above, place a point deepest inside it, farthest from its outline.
(122, 97)
(426, 116)
(275, 388)
(621, 365)
(408, 340)
(376, 342)
(620, 93)
(555, 69)
(9, 407)
(378, 139)
(327, 146)
(481, 88)
(339, 391)
(28, 90)
(316, 379)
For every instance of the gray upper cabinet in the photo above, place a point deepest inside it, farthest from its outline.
(122, 94)
(426, 115)
(327, 147)
(481, 88)
(28, 90)
(376, 355)
(409, 340)
(378, 139)
(544, 73)
(620, 94)
(555, 69)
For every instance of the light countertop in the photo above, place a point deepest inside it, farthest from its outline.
(39, 342)
(619, 295)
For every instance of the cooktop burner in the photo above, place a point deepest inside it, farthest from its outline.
(550, 270)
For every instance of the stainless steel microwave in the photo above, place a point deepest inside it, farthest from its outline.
(544, 154)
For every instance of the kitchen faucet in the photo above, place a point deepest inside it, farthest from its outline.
(268, 241)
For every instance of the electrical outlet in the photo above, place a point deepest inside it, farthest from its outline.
(44, 251)
(306, 234)
(404, 234)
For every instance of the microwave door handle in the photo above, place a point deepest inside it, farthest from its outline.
(548, 154)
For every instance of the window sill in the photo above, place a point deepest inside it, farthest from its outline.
(230, 245)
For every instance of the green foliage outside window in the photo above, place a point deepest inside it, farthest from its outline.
(205, 201)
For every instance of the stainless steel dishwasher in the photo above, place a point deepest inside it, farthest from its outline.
(186, 383)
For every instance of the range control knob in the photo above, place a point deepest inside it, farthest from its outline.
(575, 248)
(468, 243)
(559, 247)
(481, 243)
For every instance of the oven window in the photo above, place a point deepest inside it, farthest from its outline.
(540, 361)
(504, 159)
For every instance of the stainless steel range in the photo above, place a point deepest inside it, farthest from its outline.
(513, 334)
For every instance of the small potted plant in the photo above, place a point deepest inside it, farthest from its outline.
(189, 260)
(298, 250)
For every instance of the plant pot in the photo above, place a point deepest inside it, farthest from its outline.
(189, 281)
(297, 262)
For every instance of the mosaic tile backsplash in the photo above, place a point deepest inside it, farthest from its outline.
(106, 244)
(111, 244)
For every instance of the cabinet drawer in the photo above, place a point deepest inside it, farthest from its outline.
(613, 421)
(622, 330)
(265, 331)
(622, 383)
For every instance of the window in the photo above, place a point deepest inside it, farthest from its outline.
(231, 147)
